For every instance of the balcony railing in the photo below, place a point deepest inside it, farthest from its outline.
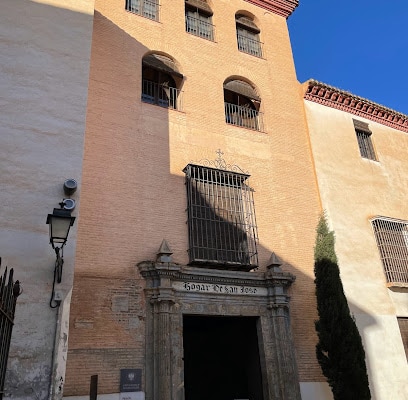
(243, 116)
(199, 28)
(145, 8)
(249, 46)
(161, 95)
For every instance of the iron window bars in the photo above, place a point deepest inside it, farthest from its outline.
(365, 144)
(198, 19)
(199, 25)
(145, 8)
(160, 82)
(243, 116)
(248, 42)
(248, 36)
(221, 218)
(392, 241)
(162, 95)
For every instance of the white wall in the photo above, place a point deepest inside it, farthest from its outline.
(44, 64)
(353, 190)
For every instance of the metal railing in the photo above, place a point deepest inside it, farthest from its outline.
(249, 46)
(145, 8)
(9, 291)
(161, 95)
(200, 28)
(243, 116)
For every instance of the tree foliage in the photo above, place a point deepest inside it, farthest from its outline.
(339, 349)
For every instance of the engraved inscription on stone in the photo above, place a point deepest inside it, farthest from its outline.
(219, 288)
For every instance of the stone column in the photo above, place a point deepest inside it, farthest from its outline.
(163, 350)
(289, 388)
(278, 282)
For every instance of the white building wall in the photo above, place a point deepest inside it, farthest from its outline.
(353, 190)
(44, 64)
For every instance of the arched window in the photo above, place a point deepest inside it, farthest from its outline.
(248, 36)
(242, 105)
(161, 81)
(198, 19)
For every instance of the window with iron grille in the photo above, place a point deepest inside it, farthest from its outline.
(161, 81)
(221, 218)
(198, 19)
(365, 144)
(241, 104)
(248, 36)
(145, 8)
(392, 242)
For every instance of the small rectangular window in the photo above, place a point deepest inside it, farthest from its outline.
(145, 8)
(365, 144)
(392, 242)
(221, 218)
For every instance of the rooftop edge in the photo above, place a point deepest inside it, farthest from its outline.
(280, 7)
(333, 97)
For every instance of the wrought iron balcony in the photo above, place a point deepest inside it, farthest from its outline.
(161, 95)
(249, 46)
(200, 28)
(243, 116)
(145, 8)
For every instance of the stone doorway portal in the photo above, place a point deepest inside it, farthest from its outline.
(221, 358)
(250, 308)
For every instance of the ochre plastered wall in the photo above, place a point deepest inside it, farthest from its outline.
(353, 190)
(133, 193)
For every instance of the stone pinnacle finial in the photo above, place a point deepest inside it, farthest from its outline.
(274, 262)
(164, 254)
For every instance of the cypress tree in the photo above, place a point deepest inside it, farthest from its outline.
(339, 349)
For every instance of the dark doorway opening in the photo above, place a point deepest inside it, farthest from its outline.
(221, 358)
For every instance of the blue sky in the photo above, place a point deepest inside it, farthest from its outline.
(360, 46)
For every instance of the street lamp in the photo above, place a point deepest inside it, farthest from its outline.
(60, 222)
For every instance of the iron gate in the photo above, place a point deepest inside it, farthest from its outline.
(9, 291)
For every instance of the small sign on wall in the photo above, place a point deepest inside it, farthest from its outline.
(130, 380)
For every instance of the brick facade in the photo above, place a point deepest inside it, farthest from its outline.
(133, 194)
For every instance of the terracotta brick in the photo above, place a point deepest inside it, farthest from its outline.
(133, 193)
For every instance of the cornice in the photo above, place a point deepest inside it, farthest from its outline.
(280, 7)
(330, 96)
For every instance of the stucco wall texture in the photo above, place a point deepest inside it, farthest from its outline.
(133, 194)
(44, 65)
(354, 190)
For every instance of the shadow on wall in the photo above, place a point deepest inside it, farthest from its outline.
(44, 56)
(101, 337)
